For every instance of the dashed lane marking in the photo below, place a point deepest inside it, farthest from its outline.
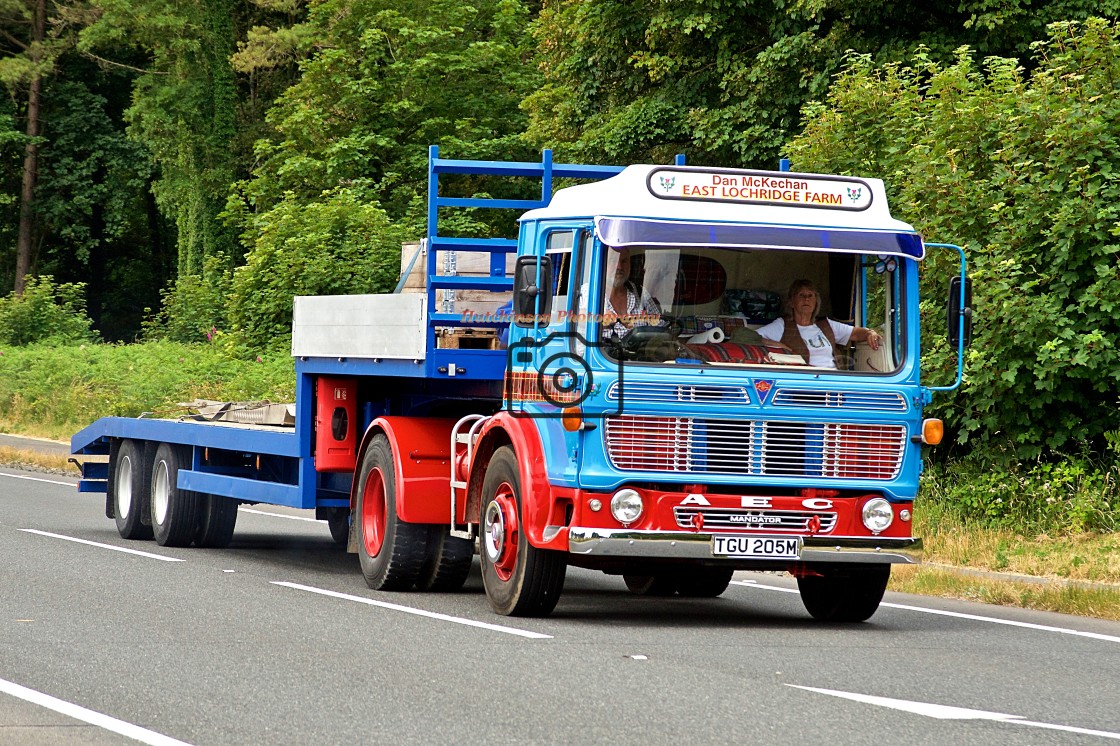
(948, 712)
(418, 612)
(88, 716)
(76, 540)
(960, 615)
(37, 479)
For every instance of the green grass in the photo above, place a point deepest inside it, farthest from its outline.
(53, 392)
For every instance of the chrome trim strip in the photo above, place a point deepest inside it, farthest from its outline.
(606, 542)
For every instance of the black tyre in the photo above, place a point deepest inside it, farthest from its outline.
(174, 511)
(844, 594)
(703, 582)
(391, 551)
(448, 563)
(217, 517)
(658, 584)
(520, 579)
(338, 520)
(129, 485)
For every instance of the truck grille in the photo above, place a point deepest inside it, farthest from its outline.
(792, 521)
(640, 391)
(754, 448)
(868, 401)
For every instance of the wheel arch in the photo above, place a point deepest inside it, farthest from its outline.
(537, 496)
(423, 466)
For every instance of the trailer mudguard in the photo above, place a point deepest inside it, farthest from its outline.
(422, 460)
(541, 506)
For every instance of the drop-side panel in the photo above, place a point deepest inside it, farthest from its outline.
(360, 326)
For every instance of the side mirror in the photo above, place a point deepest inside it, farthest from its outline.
(960, 305)
(532, 302)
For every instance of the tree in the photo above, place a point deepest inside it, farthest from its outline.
(1020, 169)
(632, 80)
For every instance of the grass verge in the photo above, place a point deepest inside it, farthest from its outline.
(1100, 602)
(20, 458)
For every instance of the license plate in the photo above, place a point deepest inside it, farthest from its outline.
(760, 547)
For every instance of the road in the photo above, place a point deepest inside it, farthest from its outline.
(277, 640)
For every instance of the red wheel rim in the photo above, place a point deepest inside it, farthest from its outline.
(500, 532)
(373, 512)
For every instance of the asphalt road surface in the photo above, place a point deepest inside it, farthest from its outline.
(277, 640)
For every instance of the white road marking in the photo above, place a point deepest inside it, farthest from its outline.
(280, 515)
(960, 615)
(37, 479)
(137, 552)
(88, 716)
(418, 612)
(948, 712)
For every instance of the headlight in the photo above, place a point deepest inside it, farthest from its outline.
(626, 506)
(877, 515)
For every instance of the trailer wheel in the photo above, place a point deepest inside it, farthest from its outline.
(128, 490)
(844, 593)
(660, 584)
(217, 517)
(520, 579)
(174, 511)
(448, 563)
(391, 551)
(704, 582)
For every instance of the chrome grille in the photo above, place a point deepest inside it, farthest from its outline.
(670, 392)
(867, 401)
(778, 521)
(754, 448)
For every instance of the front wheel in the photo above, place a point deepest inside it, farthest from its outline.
(391, 551)
(520, 579)
(845, 593)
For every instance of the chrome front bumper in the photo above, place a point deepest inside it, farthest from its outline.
(605, 542)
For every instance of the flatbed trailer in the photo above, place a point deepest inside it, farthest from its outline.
(669, 443)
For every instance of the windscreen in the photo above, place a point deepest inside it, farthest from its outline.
(748, 307)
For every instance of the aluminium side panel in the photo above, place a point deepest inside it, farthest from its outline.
(388, 326)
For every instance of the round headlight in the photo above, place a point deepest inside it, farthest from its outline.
(877, 515)
(626, 506)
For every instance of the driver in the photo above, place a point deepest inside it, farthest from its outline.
(626, 305)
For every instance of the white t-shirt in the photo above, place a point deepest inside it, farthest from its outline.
(820, 351)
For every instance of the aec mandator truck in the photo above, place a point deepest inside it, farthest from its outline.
(516, 412)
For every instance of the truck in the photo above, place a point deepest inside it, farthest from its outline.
(512, 412)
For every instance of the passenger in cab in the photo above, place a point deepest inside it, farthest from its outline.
(626, 303)
(819, 341)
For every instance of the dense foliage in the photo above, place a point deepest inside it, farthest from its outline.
(198, 163)
(1021, 169)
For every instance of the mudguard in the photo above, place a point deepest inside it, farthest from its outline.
(422, 460)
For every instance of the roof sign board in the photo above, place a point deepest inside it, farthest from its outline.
(760, 187)
(634, 232)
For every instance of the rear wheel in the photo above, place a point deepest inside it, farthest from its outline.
(659, 584)
(448, 563)
(520, 579)
(217, 517)
(703, 582)
(846, 593)
(129, 487)
(338, 520)
(391, 551)
(174, 511)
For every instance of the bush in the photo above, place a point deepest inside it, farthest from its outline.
(45, 312)
(1073, 494)
(193, 308)
(344, 244)
(1022, 172)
